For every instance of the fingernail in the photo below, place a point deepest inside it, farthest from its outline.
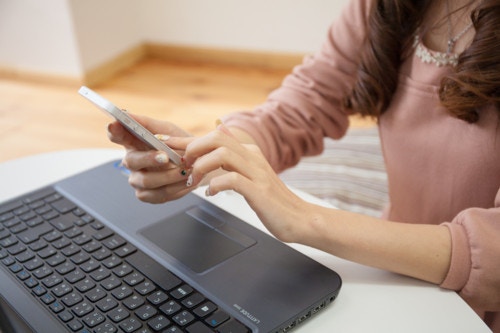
(161, 158)
(218, 122)
(207, 192)
(189, 181)
(163, 137)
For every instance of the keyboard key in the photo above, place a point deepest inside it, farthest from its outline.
(170, 308)
(125, 250)
(146, 312)
(130, 325)
(62, 222)
(133, 279)
(52, 281)
(106, 304)
(181, 292)
(16, 249)
(96, 294)
(9, 241)
(106, 328)
(85, 285)
(102, 253)
(65, 316)
(30, 283)
(61, 243)
(198, 327)
(94, 319)
(47, 252)
(133, 302)
(47, 298)
(232, 326)
(70, 250)
(157, 298)
(103, 233)
(154, 271)
(42, 272)
(217, 318)
(63, 206)
(183, 318)
(100, 274)
(75, 325)
(145, 287)
(62, 289)
(112, 262)
(56, 307)
(82, 309)
(65, 268)
(159, 323)
(118, 314)
(205, 309)
(90, 266)
(74, 276)
(92, 246)
(114, 242)
(122, 292)
(193, 300)
(122, 270)
(111, 283)
(72, 299)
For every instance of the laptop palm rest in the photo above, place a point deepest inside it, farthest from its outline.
(197, 239)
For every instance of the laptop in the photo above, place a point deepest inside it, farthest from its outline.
(85, 255)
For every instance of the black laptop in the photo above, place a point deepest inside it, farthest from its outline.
(85, 255)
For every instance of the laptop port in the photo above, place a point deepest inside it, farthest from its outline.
(304, 317)
(289, 327)
(319, 307)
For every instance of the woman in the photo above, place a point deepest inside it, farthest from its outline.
(429, 72)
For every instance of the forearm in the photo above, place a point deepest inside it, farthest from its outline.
(420, 251)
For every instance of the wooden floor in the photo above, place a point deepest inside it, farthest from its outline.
(38, 117)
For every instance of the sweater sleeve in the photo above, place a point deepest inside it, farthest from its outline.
(475, 263)
(296, 117)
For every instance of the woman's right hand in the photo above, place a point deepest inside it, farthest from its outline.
(154, 178)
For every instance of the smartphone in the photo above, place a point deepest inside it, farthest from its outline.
(129, 123)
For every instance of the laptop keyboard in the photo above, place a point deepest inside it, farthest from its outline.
(92, 279)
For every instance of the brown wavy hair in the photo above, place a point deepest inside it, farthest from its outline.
(474, 83)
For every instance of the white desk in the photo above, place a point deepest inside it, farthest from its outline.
(370, 300)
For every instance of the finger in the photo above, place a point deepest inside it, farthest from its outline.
(221, 158)
(149, 180)
(119, 135)
(208, 143)
(176, 143)
(135, 160)
(156, 126)
(162, 194)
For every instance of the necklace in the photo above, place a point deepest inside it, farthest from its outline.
(452, 40)
(440, 59)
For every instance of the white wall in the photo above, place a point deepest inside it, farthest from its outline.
(296, 26)
(37, 36)
(105, 28)
(70, 37)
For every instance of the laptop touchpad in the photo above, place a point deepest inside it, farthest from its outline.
(197, 238)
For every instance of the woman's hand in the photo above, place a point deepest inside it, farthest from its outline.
(154, 178)
(248, 173)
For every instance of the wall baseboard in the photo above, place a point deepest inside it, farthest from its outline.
(105, 71)
(265, 60)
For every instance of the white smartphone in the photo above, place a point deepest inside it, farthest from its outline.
(129, 123)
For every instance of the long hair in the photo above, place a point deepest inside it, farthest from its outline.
(474, 83)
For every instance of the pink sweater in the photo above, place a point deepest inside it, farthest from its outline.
(441, 170)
